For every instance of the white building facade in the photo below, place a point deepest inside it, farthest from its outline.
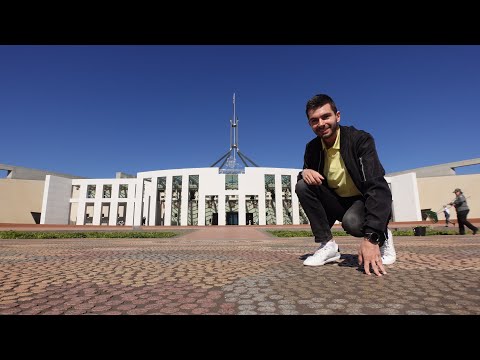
(196, 197)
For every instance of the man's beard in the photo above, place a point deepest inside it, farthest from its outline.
(332, 133)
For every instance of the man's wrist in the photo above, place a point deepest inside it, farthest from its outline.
(373, 238)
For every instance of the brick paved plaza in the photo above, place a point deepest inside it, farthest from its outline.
(234, 270)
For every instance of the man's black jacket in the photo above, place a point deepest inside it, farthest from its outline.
(359, 154)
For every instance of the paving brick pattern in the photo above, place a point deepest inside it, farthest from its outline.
(238, 270)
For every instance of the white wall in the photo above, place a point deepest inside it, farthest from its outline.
(98, 200)
(56, 196)
(56, 201)
(213, 183)
(406, 203)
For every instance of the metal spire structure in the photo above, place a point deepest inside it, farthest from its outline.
(230, 164)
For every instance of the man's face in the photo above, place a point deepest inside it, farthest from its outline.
(324, 122)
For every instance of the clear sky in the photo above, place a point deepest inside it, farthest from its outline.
(94, 110)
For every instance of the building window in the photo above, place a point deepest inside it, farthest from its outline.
(121, 213)
(91, 191)
(231, 182)
(193, 200)
(251, 207)
(176, 200)
(146, 198)
(123, 191)
(89, 208)
(107, 191)
(231, 209)
(161, 190)
(211, 210)
(271, 218)
(287, 199)
(105, 219)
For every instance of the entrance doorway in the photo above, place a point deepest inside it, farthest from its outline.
(215, 219)
(249, 219)
(232, 218)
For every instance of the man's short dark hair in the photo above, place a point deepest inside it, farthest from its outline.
(318, 101)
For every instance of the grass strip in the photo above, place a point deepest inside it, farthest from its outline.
(85, 234)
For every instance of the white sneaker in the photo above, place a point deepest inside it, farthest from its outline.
(388, 250)
(326, 253)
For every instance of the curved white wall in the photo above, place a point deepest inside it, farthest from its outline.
(56, 200)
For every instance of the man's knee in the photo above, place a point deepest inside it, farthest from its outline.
(301, 187)
(353, 224)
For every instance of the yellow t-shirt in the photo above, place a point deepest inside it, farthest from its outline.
(337, 174)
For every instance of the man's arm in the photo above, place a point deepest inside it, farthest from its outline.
(377, 194)
(459, 200)
(305, 163)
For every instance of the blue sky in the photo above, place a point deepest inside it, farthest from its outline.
(95, 110)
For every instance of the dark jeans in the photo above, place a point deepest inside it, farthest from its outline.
(323, 207)
(447, 219)
(462, 222)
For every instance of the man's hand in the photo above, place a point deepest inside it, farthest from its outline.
(369, 255)
(311, 177)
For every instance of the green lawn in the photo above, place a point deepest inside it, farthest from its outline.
(85, 234)
(307, 233)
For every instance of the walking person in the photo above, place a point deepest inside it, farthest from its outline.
(446, 212)
(343, 179)
(462, 209)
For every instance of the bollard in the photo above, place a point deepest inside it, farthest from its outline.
(420, 231)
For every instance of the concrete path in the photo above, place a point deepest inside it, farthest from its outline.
(234, 270)
(226, 232)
